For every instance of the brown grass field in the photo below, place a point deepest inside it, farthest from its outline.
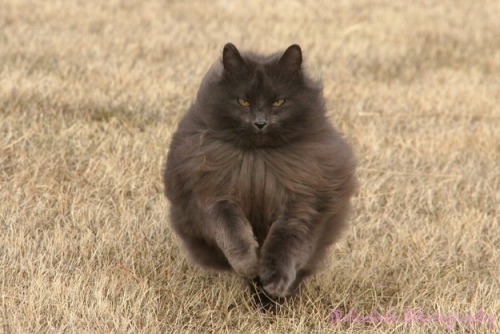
(91, 92)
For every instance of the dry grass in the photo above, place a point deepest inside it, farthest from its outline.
(90, 93)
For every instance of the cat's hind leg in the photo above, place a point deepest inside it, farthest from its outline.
(198, 248)
(206, 255)
(222, 238)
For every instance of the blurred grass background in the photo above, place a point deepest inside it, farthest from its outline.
(91, 92)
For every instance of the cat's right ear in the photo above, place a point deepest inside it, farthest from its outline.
(291, 60)
(231, 58)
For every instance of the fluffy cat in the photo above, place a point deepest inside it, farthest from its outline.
(258, 179)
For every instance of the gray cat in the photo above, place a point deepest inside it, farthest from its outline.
(259, 181)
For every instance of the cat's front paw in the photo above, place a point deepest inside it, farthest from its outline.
(246, 264)
(277, 279)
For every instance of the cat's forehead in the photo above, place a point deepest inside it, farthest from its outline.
(255, 65)
(261, 80)
(260, 76)
(261, 65)
(262, 72)
(260, 59)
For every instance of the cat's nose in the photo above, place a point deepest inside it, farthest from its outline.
(260, 124)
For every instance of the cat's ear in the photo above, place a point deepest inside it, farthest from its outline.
(291, 60)
(231, 58)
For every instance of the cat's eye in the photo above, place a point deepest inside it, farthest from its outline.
(278, 103)
(244, 103)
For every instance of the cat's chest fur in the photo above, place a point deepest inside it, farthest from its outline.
(257, 185)
(262, 181)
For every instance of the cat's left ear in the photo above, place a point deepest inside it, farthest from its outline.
(291, 60)
(231, 58)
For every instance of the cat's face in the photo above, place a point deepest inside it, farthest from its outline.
(262, 101)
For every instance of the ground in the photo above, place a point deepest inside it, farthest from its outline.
(91, 92)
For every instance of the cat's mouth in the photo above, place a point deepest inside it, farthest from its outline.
(259, 137)
(261, 132)
(262, 137)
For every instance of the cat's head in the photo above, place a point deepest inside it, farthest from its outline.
(254, 100)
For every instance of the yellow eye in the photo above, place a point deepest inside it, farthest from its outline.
(278, 103)
(243, 102)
